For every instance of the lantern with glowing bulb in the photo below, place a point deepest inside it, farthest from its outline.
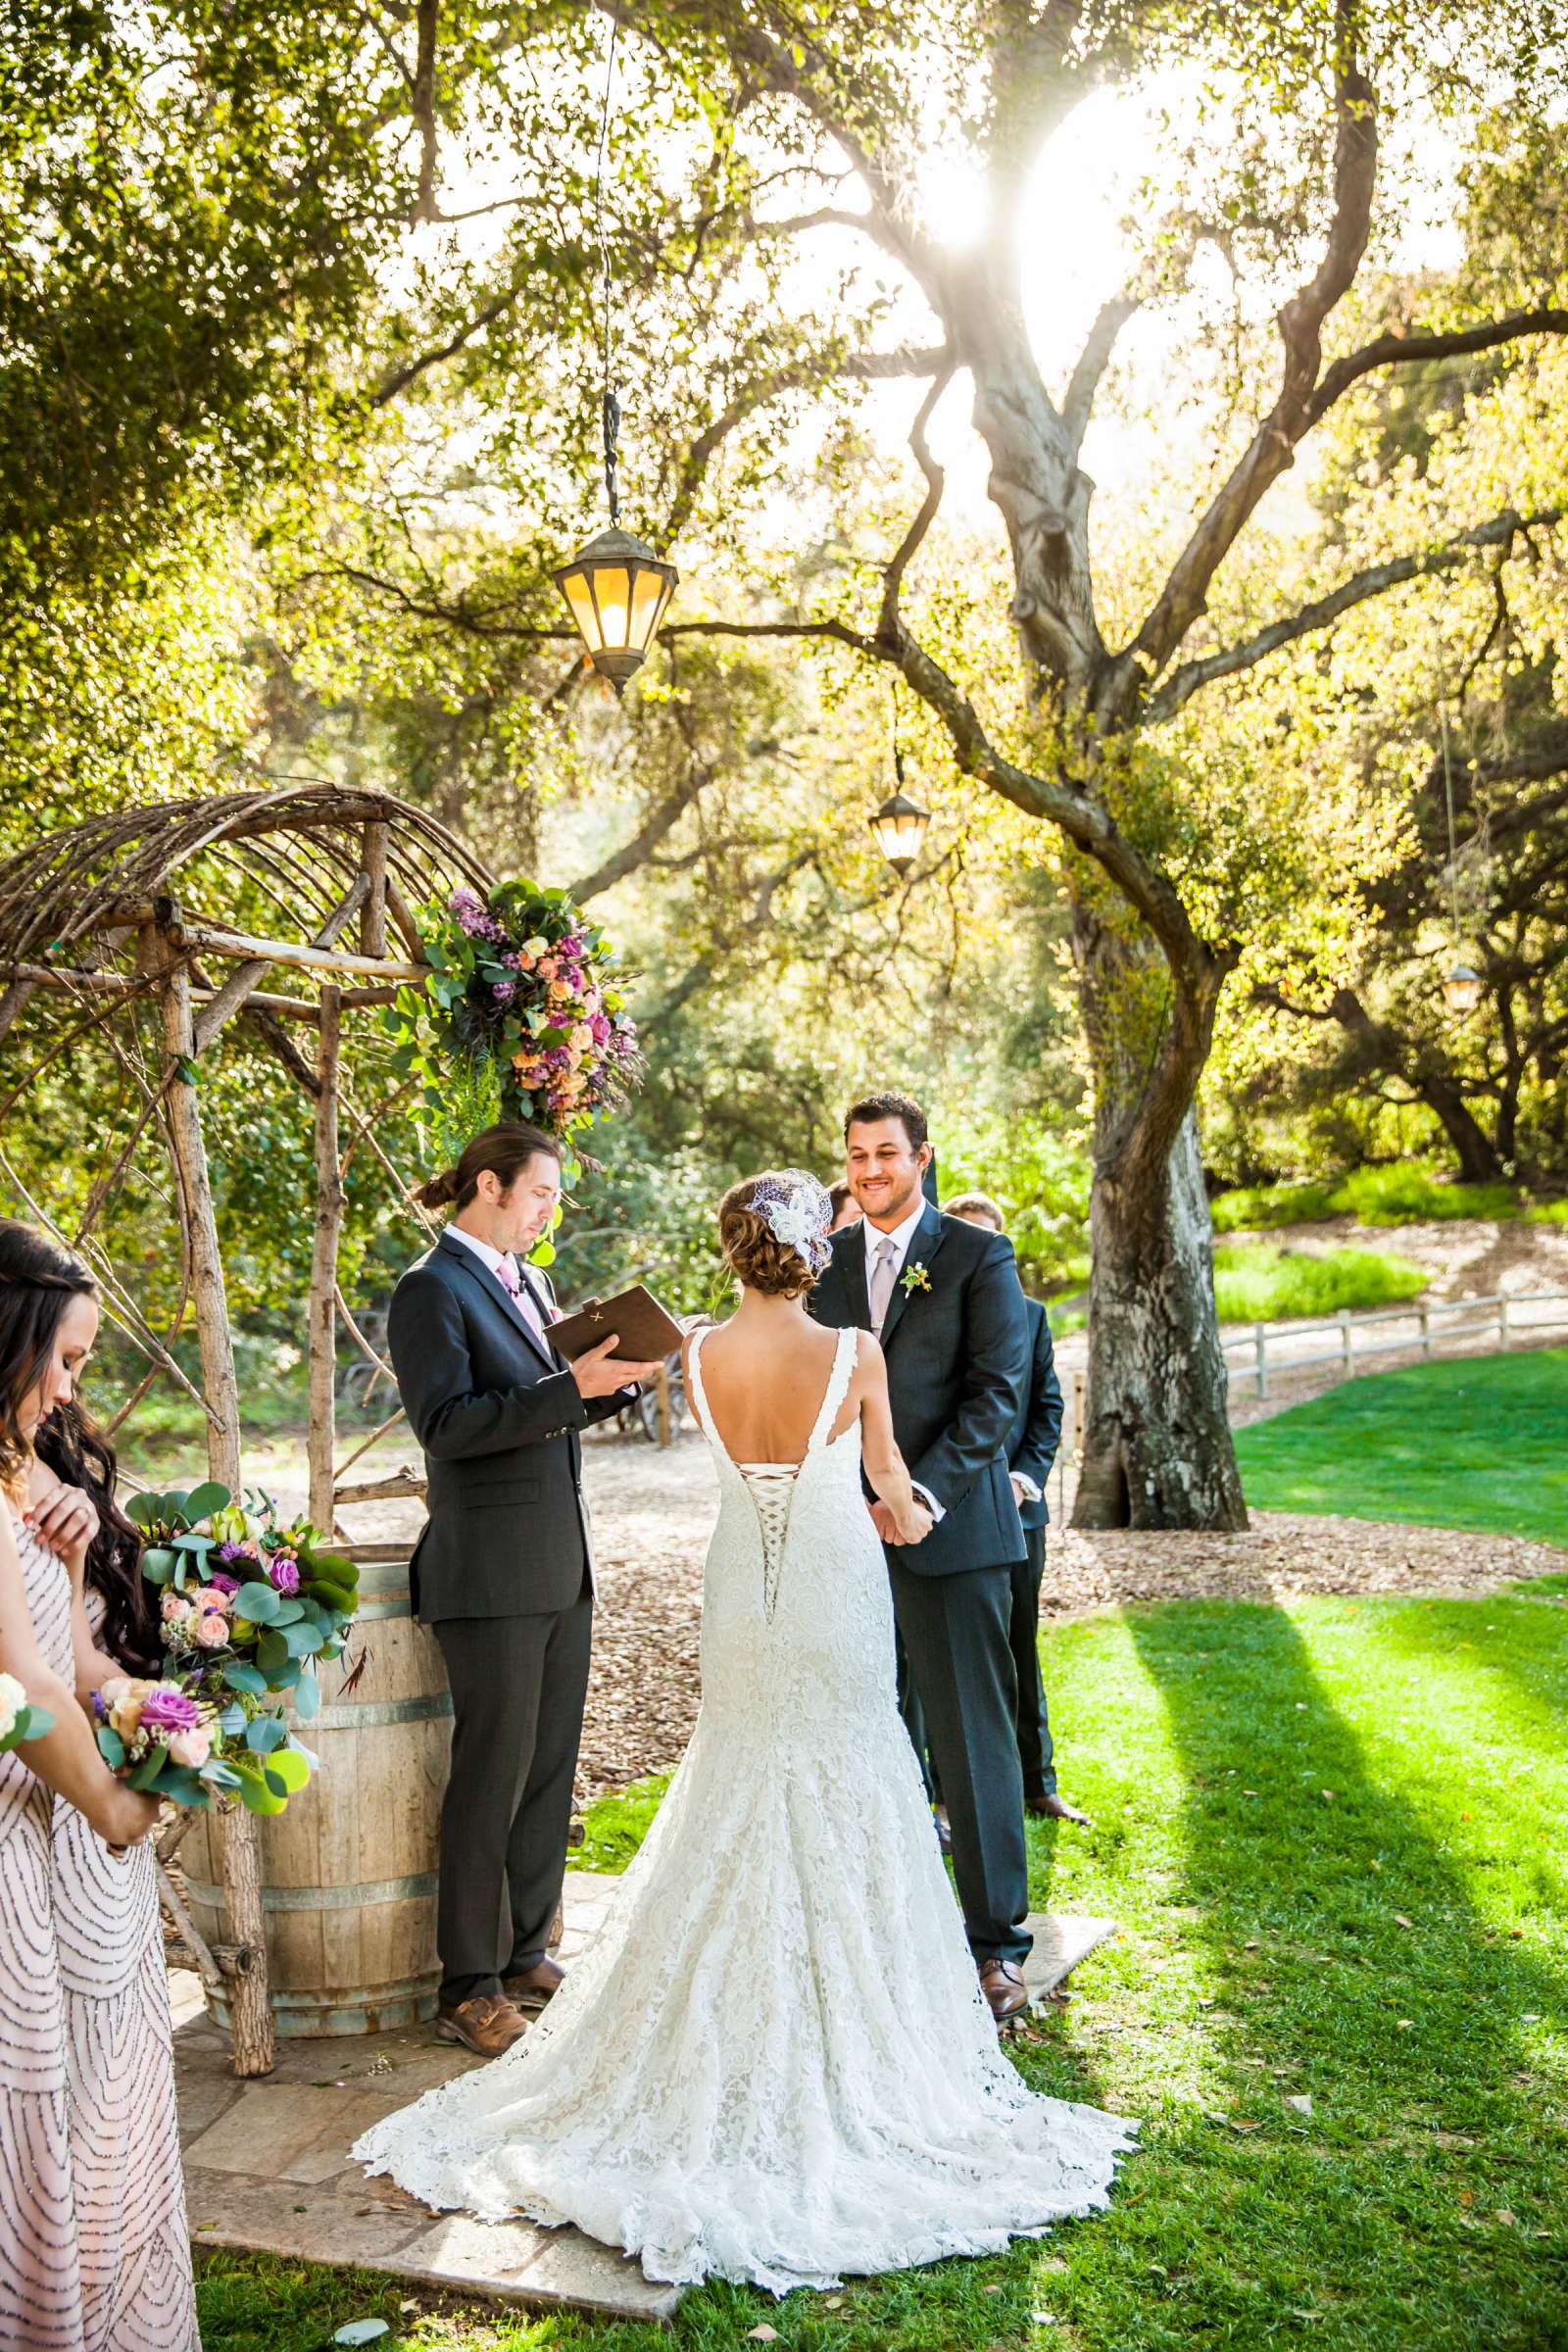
(900, 826)
(618, 592)
(1462, 988)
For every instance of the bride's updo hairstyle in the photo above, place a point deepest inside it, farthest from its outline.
(773, 1231)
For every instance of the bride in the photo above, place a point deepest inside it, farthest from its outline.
(775, 2063)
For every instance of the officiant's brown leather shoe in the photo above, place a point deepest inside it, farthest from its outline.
(485, 2025)
(535, 1986)
(1006, 1993)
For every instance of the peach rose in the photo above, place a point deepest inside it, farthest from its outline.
(560, 993)
(213, 1596)
(194, 1747)
(177, 1608)
(548, 966)
(211, 1630)
(581, 1037)
(123, 1698)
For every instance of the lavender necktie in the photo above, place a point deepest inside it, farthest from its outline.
(882, 1282)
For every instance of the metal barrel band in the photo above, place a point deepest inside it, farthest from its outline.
(363, 1896)
(351, 1718)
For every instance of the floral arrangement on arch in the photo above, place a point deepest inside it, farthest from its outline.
(520, 1017)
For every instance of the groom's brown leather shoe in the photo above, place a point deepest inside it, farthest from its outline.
(485, 2025)
(535, 1986)
(1006, 1993)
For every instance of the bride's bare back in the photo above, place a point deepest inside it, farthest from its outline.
(765, 1375)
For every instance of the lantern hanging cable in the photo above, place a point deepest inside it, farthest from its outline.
(1462, 985)
(616, 590)
(611, 401)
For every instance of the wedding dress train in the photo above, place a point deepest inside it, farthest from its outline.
(775, 2063)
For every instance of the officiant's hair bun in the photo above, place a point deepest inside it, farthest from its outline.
(753, 1250)
(502, 1152)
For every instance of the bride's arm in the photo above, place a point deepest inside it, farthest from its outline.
(883, 1463)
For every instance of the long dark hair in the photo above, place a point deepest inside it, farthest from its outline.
(37, 1280)
(79, 1452)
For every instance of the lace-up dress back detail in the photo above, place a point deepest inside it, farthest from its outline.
(771, 1484)
(774, 2063)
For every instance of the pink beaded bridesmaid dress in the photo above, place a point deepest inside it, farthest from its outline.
(94, 2255)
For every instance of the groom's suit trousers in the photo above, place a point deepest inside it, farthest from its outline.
(519, 1684)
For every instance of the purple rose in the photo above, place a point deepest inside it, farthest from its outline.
(572, 946)
(598, 1023)
(283, 1573)
(166, 1709)
(224, 1583)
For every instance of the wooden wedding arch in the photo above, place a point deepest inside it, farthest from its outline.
(122, 927)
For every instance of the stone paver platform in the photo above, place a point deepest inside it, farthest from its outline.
(267, 2164)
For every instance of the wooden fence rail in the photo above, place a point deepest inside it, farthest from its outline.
(1507, 1315)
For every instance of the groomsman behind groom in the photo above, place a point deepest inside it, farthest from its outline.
(1032, 1447)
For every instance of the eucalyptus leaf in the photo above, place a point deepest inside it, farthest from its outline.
(256, 1602)
(158, 1565)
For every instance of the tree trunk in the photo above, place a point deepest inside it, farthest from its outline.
(323, 1337)
(251, 2010)
(1157, 1446)
(1479, 1162)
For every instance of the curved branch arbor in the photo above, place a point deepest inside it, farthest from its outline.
(123, 926)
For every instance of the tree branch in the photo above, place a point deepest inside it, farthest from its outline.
(1272, 448)
(1091, 362)
(866, 367)
(935, 479)
(1374, 580)
(421, 105)
(634, 852)
(1398, 348)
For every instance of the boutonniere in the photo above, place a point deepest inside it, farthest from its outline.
(914, 1278)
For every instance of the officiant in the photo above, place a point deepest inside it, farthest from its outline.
(503, 1569)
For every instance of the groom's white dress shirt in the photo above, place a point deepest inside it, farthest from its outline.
(885, 1254)
(506, 1271)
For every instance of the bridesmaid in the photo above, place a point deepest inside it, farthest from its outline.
(107, 2270)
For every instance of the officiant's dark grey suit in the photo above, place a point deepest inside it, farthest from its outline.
(504, 1574)
(958, 1357)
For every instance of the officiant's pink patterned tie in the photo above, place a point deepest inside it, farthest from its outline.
(882, 1281)
(522, 1298)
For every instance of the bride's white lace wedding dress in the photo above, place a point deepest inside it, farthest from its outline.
(775, 2063)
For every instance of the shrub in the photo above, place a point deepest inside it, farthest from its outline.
(1257, 1205)
(1259, 1282)
(1409, 1192)
(1548, 1212)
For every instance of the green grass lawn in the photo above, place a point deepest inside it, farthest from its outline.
(1404, 1192)
(1330, 1831)
(1481, 1442)
(1262, 1282)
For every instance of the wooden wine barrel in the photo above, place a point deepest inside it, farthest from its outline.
(349, 1872)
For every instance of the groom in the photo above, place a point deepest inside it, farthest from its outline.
(945, 1300)
(504, 1570)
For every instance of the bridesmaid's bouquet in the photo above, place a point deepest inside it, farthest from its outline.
(18, 1719)
(248, 1607)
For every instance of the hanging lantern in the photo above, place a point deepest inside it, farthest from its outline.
(618, 592)
(1462, 987)
(900, 826)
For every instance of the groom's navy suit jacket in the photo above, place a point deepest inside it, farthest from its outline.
(958, 1357)
(497, 1413)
